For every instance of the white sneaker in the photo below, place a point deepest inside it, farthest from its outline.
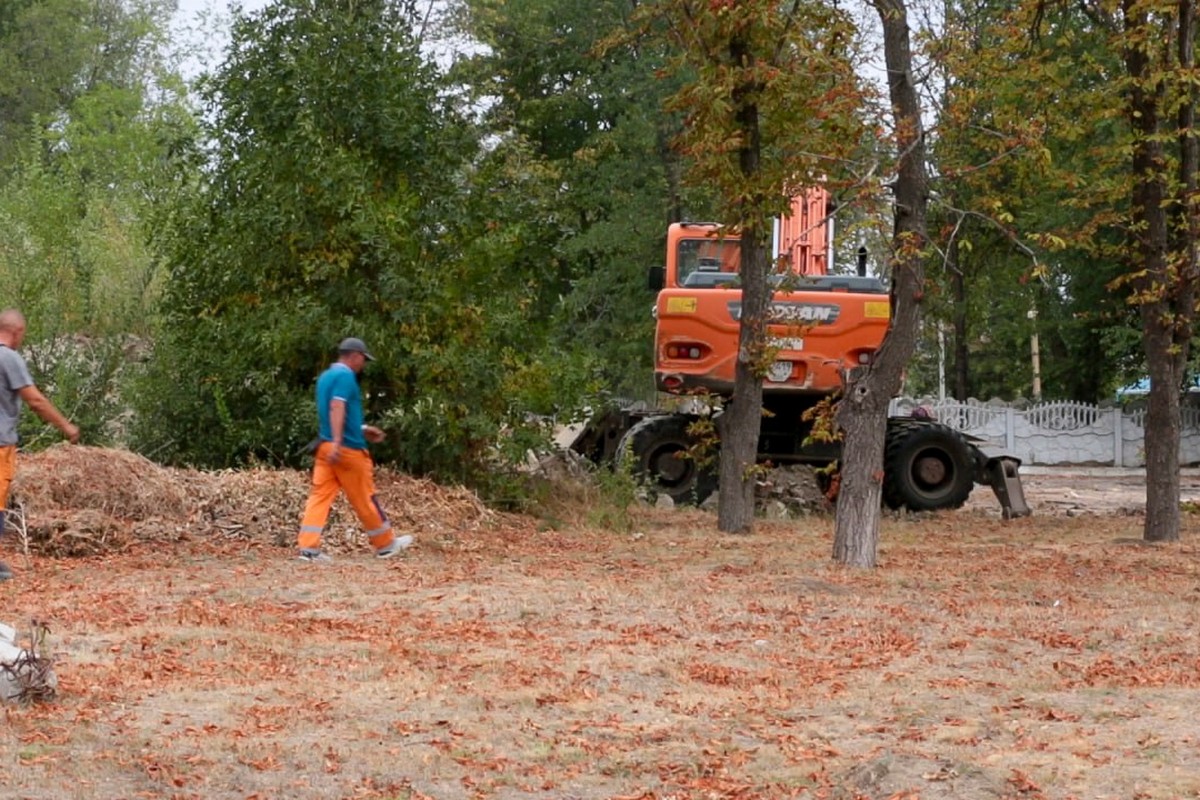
(315, 557)
(398, 544)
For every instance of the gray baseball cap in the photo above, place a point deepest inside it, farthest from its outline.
(354, 345)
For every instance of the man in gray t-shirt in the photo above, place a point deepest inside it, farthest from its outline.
(16, 386)
(14, 376)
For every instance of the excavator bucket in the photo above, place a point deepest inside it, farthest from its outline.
(1001, 474)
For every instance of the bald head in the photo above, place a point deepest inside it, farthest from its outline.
(11, 319)
(12, 327)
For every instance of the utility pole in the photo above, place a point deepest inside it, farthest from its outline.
(1036, 353)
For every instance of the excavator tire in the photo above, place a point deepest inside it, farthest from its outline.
(657, 448)
(927, 467)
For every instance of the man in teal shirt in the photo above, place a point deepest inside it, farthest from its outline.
(342, 460)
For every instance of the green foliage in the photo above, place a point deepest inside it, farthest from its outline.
(73, 239)
(89, 115)
(346, 197)
(55, 53)
(86, 377)
(1037, 188)
(617, 494)
(776, 80)
(43, 51)
(582, 136)
(706, 448)
(603, 499)
(318, 218)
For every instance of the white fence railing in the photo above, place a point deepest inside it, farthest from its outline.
(1059, 432)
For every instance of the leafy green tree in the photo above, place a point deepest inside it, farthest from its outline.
(1006, 229)
(1112, 85)
(344, 196)
(54, 52)
(571, 88)
(771, 105)
(90, 113)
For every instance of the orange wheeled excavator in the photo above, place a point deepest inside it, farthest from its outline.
(819, 326)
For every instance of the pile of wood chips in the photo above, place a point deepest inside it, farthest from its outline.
(72, 500)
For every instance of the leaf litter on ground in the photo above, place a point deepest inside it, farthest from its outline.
(1043, 657)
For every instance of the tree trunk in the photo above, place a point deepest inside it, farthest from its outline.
(740, 423)
(1162, 431)
(1168, 346)
(862, 412)
(1164, 250)
(863, 425)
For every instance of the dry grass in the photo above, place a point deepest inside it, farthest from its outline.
(1044, 658)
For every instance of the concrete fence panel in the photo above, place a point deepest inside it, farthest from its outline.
(1059, 432)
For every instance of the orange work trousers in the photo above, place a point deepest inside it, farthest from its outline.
(354, 475)
(8, 470)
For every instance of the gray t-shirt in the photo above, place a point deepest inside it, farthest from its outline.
(14, 376)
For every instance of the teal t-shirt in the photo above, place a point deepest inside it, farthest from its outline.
(339, 383)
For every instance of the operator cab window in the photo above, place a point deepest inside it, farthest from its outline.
(708, 263)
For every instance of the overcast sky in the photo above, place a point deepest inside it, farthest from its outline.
(188, 8)
(204, 25)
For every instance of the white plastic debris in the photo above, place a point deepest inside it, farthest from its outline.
(25, 676)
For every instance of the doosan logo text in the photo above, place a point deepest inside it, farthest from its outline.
(814, 313)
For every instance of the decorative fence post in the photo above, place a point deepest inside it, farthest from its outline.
(1010, 430)
(1118, 438)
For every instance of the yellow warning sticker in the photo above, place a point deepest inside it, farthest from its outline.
(682, 305)
(877, 310)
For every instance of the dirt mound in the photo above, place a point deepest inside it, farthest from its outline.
(113, 482)
(791, 490)
(71, 500)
